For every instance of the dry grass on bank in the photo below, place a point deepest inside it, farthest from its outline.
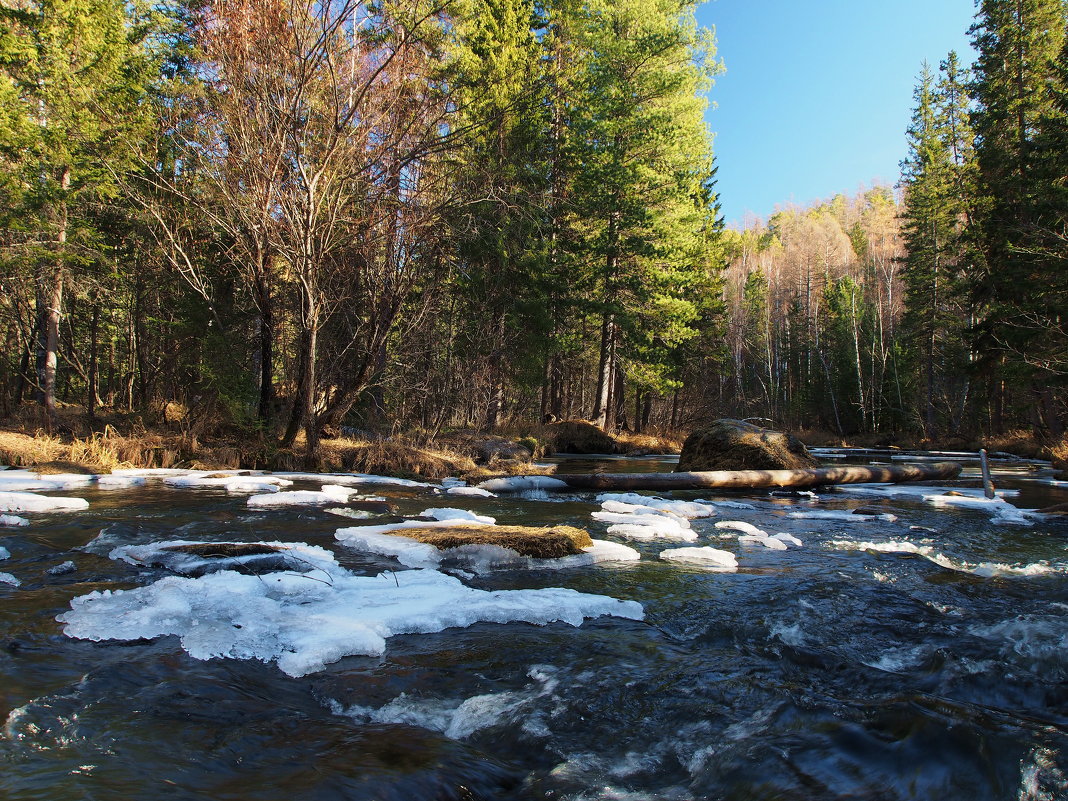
(1020, 442)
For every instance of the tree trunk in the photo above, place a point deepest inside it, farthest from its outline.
(605, 371)
(751, 479)
(266, 400)
(49, 305)
(91, 399)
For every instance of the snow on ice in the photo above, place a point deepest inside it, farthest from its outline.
(303, 623)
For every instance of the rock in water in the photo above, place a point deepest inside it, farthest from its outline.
(737, 445)
(578, 436)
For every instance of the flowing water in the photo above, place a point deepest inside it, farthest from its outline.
(846, 668)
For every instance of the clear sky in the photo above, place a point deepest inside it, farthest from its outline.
(818, 93)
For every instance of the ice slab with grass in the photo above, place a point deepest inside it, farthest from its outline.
(7, 578)
(196, 557)
(522, 483)
(303, 623)
(29, 502)
(13, 521)
(708, 556)
(330, 493)
(620, 501)
(476, 558)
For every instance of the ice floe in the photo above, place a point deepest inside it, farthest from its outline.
(458, 515)
(303, 623)
(982, 569)
(459, 719)
(4, 553)
(7, 578)
(521, 483)
(1002, 512)
(711, 557)
(13, 521)
(31, 481)
(473, 492)
(633, 502)
(330, 493)
(195, 557)
(729, 504)
(62, 569)
(742, 526)
(235, 484)
(355, 479)
(647, 526)
(771, 543)
(916, 490)
(29, 502)
(475, 558)
(840, 514)
(788, 538)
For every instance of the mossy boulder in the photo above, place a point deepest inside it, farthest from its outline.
(578, 436)
(550, 542)
(736, 445)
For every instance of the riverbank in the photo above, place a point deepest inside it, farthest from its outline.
(118, 440)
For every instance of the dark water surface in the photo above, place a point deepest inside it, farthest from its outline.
(828, 671)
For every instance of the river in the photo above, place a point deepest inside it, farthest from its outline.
(922, 657)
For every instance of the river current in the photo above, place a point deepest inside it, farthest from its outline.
(922, 657)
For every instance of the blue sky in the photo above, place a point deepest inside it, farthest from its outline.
(817, 94)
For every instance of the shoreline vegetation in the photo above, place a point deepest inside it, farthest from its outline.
(120, 440)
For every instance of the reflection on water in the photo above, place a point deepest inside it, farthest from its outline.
(855, 666)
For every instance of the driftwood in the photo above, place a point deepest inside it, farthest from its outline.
(754, 479)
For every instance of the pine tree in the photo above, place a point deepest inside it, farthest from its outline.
(1017, 42)
(80, 76)
(937, 180)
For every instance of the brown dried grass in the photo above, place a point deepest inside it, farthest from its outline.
(551, 542)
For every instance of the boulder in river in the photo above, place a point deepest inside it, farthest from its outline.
(737, 445)
(578, 436)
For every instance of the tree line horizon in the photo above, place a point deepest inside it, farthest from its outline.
(294, 215)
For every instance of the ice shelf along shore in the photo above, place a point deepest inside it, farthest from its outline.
(303, 623)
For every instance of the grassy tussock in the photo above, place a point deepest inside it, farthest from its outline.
(539, 543)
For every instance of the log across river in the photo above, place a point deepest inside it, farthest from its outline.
(754, 479)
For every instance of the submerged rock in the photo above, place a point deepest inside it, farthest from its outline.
(736, 445)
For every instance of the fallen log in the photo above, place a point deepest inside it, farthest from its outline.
(755, 479)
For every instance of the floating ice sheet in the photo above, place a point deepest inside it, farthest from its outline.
(29, 502)
(983, 569)
(520, 483)
(729, 504)
(235, 484)
(1002, 512)
(330, 493)
(303, 623)
(296, 556)
(354, 479)
(458, 515)
(7, 578)
(4, 553)
(473, 492)
(647, 526)
(620, 501)
(711, 557)
(840, 514)
(742, 526)
(916, 490)
(13, 521)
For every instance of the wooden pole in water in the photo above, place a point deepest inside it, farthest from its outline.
(754, 479)
(988, 483)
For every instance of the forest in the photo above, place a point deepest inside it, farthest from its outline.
(293, 217)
